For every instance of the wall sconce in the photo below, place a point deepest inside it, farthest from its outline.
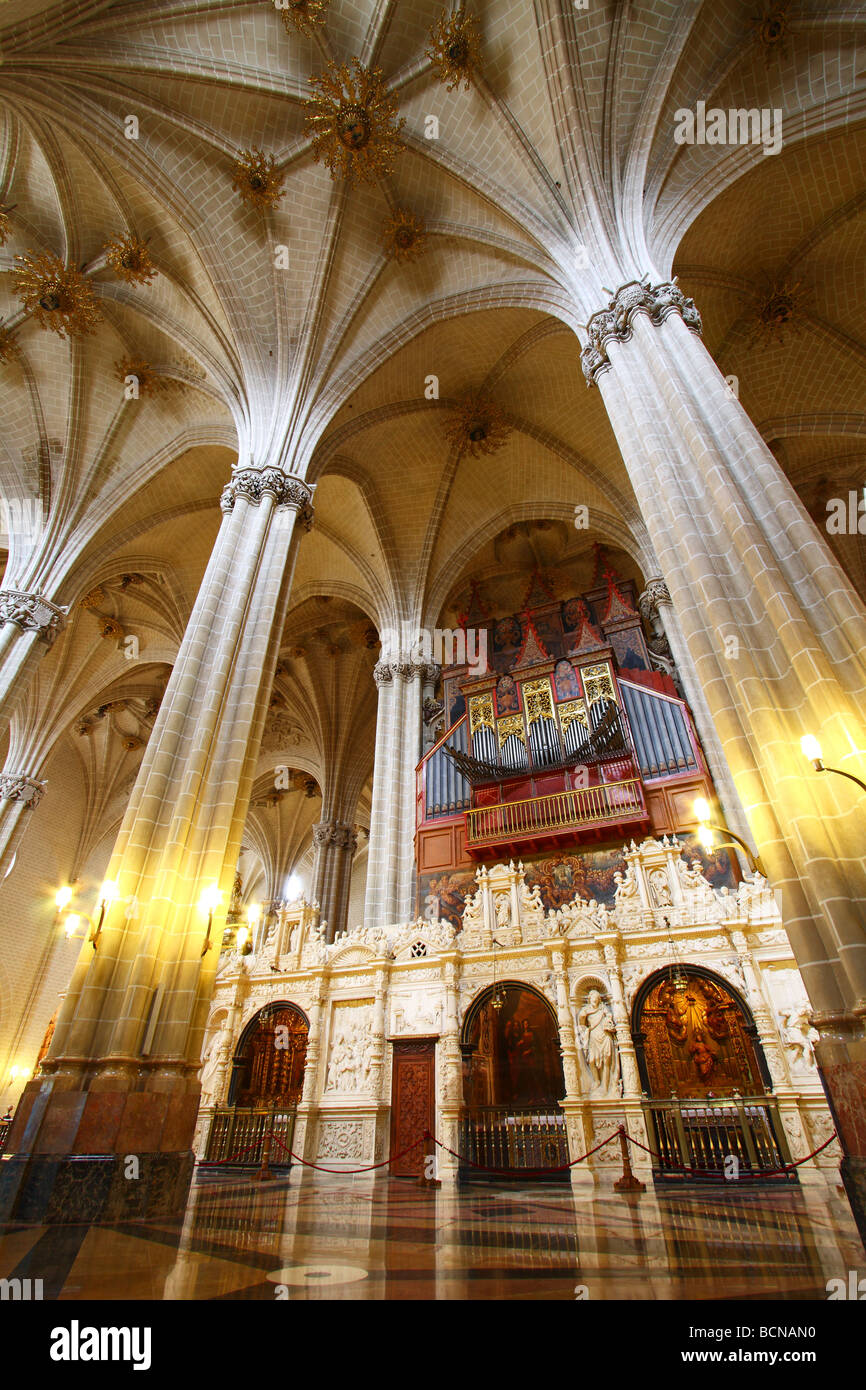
(62, 898)
(107, 895)
(705, 836)
(812, 750)
(209, 902)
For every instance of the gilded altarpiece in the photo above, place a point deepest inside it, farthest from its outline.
(695, 1041)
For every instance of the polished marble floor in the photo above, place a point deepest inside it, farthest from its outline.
(342, 1238)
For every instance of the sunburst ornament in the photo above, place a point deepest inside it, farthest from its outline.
(58, 296)
(479, 427)
(304, 16)
(353, 122)
(257, 179)
(130, 259)
(771, 27)
(405, 236)
(455, 49)
(777, 313)
(139, 378)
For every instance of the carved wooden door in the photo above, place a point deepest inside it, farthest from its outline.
(413, 1103)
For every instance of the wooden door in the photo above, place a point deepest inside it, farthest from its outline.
(413, 1103)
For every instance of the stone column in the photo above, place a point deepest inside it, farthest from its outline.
(126, 1050)
(307, 1112)
(578, 1120)
(451, 1084)
(29, 624)
(631, 1087)
(776, 634)
(656, 608)
(335, 844)
(20, 794)
(391, 856)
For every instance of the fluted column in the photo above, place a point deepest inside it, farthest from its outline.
(135, 1011)
(335, 844)
(390, 858)
(777, 637)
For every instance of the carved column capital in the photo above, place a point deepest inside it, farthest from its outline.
(656, 592)
(336, 834)
(16, 786)
(657, 301)
(32, 613)
(256, 483)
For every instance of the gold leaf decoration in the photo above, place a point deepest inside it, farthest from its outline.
(257, 179)
(455, 50)
(353, 122)
(130, 259)
(58, 296)
(479, 427)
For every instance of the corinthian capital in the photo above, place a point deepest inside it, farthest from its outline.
(657, 301)
(15, 786)
(256, 483)
(336, 834)
(32, 613)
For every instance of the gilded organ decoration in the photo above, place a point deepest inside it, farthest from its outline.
(574, 710)
(696, 1040)
(597, 683)
(480, 712)
(512, 724)
(537, 700)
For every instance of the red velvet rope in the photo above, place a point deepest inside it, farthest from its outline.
(347, 1172)
(563, 1167)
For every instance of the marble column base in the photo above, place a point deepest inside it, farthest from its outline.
(853, 1172)
(58, 1189)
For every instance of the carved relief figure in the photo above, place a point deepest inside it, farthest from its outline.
(798, 1033)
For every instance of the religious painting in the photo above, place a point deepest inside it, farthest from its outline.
(587, 875)
(507, 634)
(716, 865)
(455, 703)
(566, 682)
(444, 895)
(572, 612)
(629, 649)
(549, 630)
(695, 1040)
(506, 695)
(511, 1055)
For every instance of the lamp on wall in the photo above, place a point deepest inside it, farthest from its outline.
(705, 836)
(73, 923)
(812, 750)
(209, 902)
(245, 934)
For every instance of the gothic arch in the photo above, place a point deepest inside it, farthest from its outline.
(263, 1069)
(511, 1056)
(705, 1045)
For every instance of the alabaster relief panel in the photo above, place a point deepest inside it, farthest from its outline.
(352, 1048)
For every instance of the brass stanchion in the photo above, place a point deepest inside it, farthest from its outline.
(628, 1182)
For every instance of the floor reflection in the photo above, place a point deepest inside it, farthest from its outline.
(367, 1238)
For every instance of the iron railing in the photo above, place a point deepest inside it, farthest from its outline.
(507, 1140)
(237, 1135)
(698, 1139)
(565, 810)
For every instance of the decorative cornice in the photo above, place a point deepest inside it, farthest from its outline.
(335, 833)
(32, 613)
(15, 786)
(658, 301)
(256, 483)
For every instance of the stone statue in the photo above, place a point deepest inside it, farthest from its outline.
(597, 1033)
(798, 1033)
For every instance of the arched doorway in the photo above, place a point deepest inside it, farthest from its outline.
(695, 1037)
(511, 1055)
(268, 1064)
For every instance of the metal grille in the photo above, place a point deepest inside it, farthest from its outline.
(237, 1135)
(505, 1140)
(702, 1136)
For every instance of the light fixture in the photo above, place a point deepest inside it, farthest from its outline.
(71, 925)
(257, 179)
(293, 888)
(241, 939)
(130, 259)
(57, 295)
(812, 750)
(479, 426)
(303, 15)
(353, 122)
(209, 902)
(108, 893)
(63, 897)
(404, 236)
(455, 49)
(705, 830)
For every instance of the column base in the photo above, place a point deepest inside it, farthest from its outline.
(63, 1189)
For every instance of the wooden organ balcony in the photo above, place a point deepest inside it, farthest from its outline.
(631, 766)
